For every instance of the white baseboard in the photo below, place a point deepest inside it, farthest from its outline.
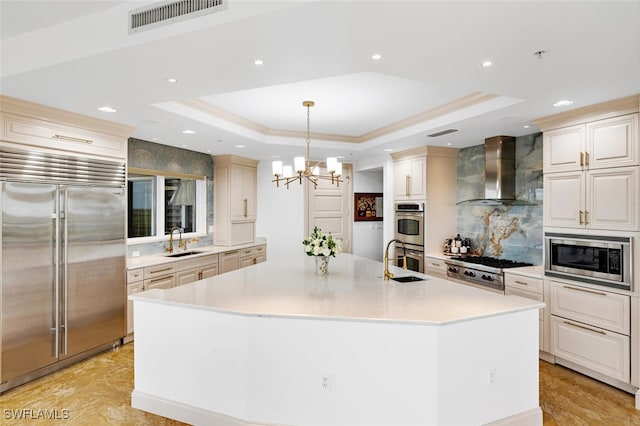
(526, 418)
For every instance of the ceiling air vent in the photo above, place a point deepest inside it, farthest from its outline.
(442, 133)
(165, 13)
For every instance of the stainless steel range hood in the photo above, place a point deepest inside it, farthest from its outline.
(499, 173)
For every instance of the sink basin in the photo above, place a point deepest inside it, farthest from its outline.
(184, 253)
(407, 279)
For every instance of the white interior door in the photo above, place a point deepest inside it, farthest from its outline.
(329, 207)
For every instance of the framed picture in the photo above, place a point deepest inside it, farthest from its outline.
(367, 206)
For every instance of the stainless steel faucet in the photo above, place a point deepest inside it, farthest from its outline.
(180, 243)
(387, 273)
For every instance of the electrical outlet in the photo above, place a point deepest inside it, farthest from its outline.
(135, 254)
(491, 376)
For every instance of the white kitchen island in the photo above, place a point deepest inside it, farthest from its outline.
(275, 344)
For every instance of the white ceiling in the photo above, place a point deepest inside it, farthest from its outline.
(78, 55)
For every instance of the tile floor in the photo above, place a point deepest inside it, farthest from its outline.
(97, 392)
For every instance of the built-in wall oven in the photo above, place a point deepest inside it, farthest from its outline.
(409, 228)
(592, 259)
(410, 223)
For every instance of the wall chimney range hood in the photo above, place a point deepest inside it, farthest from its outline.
(499, 173)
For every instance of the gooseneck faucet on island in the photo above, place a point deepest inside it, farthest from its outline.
(387, 273)
(181, 244)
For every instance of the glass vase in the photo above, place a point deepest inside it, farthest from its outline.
(322, 265)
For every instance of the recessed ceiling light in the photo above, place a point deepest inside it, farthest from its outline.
(155, 139)
(184, 146)
(376, 56)
(188, 132)
(258, 62)
(339, 157)
(241, 146)
(486, 64)
(172, 80)
(106, 109)
(388, 150)
(562, 103)
(449, 144)
(527, 126)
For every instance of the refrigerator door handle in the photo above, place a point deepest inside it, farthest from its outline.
(65, 269)
(56, 286)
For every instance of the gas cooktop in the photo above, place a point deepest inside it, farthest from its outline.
(493, 262)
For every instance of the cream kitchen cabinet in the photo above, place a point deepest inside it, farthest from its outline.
(604, 199)
(235, 183)
(253, 255)
(435, 267)
(530, 288)
(410, 179)
(195, 269)
(229, 261)
(56, 131)
(591, 328)
(611, 142)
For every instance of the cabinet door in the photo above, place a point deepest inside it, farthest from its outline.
(533, 296)
(564, 199)
(417, 182)
(247, 261)
(229, 261)
(401, 178)
(209, 271)
(600, 309)
(562, 148)
(243, 193)
(132, 289)
(188, 276)
(612, 199)
(613, 142)
(599, 350)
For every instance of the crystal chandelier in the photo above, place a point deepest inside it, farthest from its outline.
(303, 166)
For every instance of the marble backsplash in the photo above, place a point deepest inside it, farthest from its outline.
(510, 231)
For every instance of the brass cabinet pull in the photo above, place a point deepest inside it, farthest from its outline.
(245, 207)
(580, 218)
(581, 159)
(435, 264)
(406, 185)
(160, 270)
(586, 217)
(585, 328)
(521, 282)
(72, 139)
(586, 158)
(599, 293)
(159, 279)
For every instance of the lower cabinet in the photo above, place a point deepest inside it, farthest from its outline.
(229, 261)
(530, 288)
(591, 328)
(195, 269)
(435, 267)
(252, 256)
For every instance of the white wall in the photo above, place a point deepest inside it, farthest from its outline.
(280, 214)
(367, 236)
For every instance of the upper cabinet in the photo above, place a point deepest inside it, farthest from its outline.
(591, 167)
(235, 193)
(27, 125)
(410, 179)
(611, 142)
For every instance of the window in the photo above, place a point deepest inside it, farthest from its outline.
(158, 203)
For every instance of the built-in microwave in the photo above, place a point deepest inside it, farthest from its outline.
(409, 219)
(592, 259)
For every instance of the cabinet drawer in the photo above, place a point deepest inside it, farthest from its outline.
(196, 262)
(166, 281)
(601, 309)
(158, 270)
(435, 264)
(597, 349)
(61, 137)
(522, 282)
(134, 275)
(516, 291)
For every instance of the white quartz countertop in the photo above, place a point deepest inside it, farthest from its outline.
(354, 290)
(158, 259)
(536, 271)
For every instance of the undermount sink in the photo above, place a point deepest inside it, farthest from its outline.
(407, 279)
(184, 253)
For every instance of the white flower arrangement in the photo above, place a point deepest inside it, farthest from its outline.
(321, 244)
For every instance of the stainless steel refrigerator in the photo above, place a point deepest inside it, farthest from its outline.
(63, 261)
